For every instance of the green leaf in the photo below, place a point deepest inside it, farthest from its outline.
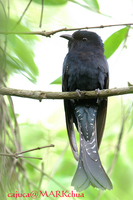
(92, 3)
(51, 2)
(114, 41)
(14, 65)
(58, 81)
(20, 51)
(22, 56)
(21, 28)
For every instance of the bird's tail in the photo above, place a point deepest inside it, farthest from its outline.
(90, 170)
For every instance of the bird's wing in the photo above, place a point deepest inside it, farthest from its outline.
(102, 108)
(68, 112)
(101, 118)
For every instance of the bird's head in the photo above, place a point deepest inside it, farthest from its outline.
(83, 38)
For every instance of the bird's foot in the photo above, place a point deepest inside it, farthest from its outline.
(79, 92)
(97, 93)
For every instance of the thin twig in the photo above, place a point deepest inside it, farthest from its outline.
(41, 14)
(9, 122)
(118, 146)
(28, 157)
(52, 179)
(16, 127)
(41, 178)
(3, 8)
(22, 15)
(38, 148)
(49, 33)
(65, 95)
(59, 159)
(18, 154)
(30, 182)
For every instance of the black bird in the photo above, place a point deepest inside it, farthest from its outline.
(85, 68)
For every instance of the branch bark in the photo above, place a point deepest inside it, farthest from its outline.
(19, 154)
(65, 95)
(49, 33)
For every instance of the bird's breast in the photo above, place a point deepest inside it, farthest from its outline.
(83, 75)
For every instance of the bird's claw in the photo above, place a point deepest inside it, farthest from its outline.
(97, 93)
(79, 92)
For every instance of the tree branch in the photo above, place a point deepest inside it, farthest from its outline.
(18, 154)
(65, 95)
(49, 33)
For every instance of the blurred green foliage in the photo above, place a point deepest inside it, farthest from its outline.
(58, 161)
(19, 48)
(51, 2)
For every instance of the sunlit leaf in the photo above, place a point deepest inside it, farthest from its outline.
(51, 2)
(57, 81)
(114, 41)
(92, 3)
(14, 65)
(22, 55)
(21, 28)
(85, 6)
(20, 51)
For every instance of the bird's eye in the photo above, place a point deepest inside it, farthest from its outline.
(84, 39)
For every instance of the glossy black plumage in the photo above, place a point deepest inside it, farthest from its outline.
(85, 68)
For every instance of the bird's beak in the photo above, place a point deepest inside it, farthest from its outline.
(68, 37)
